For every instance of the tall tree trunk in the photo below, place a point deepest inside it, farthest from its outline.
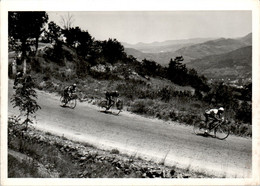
(24, 66)
(24, 55)
(14, 67)
(36, 45)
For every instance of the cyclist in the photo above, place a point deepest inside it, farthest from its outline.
(69, 91)
(110, 96)
(213, 115)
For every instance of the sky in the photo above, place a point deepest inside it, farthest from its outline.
(151, 26)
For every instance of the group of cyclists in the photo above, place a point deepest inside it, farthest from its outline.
(70, 90)
(211, 115)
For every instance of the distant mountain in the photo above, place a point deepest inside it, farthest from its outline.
(161, 58)
(194, 51)
(235, 64)
(165, 46)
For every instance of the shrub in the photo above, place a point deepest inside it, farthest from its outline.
(114, 151)
(244, 113)
(139, 107)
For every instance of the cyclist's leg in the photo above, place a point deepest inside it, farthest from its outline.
(112, 102)
(108, 103)
(66, 97)
(206, 121)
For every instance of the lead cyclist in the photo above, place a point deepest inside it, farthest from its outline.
(212, 116)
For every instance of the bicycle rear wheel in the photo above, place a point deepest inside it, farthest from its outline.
(103, 104)
(221, 132)
(62, 101)
(72, 103)
(199, 128)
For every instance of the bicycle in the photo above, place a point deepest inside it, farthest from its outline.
(221, 129)
(70, 102)
(118, 103)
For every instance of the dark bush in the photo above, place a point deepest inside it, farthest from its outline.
(244, 113)
(139, 107)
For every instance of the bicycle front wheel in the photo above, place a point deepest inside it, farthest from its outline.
(199, 128)
(221, 132)
(72, 103)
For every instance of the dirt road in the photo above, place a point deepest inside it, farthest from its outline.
(151, 139)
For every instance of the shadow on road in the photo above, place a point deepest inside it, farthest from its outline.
(66, 106)
(206, 135)
(109, 112)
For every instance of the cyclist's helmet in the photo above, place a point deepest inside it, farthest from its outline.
(221, 109)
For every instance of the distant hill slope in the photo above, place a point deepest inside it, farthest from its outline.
(165, 46)
(235, 64)
(212, 47)
(161, 58)
(196, 51)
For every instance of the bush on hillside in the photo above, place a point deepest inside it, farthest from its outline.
(244, 113)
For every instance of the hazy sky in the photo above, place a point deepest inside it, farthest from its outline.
(149, 26)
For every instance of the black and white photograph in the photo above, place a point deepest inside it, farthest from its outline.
(133, 94)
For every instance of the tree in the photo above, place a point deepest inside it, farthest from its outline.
(85, 43)
(25, 98)
(72, 36)
(67, 21)
(26, 25)
(25, 29)
(54, 32)
(150, 67)
(177, 72)
(113, 50)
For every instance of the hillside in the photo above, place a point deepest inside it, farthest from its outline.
(235, 64)
(195, 51)
(213, 47)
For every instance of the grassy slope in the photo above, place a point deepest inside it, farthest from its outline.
(237, 63)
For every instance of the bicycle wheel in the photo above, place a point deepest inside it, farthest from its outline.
(199, 128)
(103, 104)
(221, 132)
(62, 101)
(72, 103)
(119, 106)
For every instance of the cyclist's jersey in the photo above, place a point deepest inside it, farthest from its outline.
(111, 94)
(70, 89)
(213, 113)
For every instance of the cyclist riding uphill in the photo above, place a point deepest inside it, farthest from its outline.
(110, 96)
(69, 91)
(213, 115)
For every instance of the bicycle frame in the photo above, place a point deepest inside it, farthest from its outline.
(216, 125)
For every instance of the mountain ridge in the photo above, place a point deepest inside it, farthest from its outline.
(195, 51)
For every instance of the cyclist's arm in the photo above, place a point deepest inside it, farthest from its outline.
(215, 116)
